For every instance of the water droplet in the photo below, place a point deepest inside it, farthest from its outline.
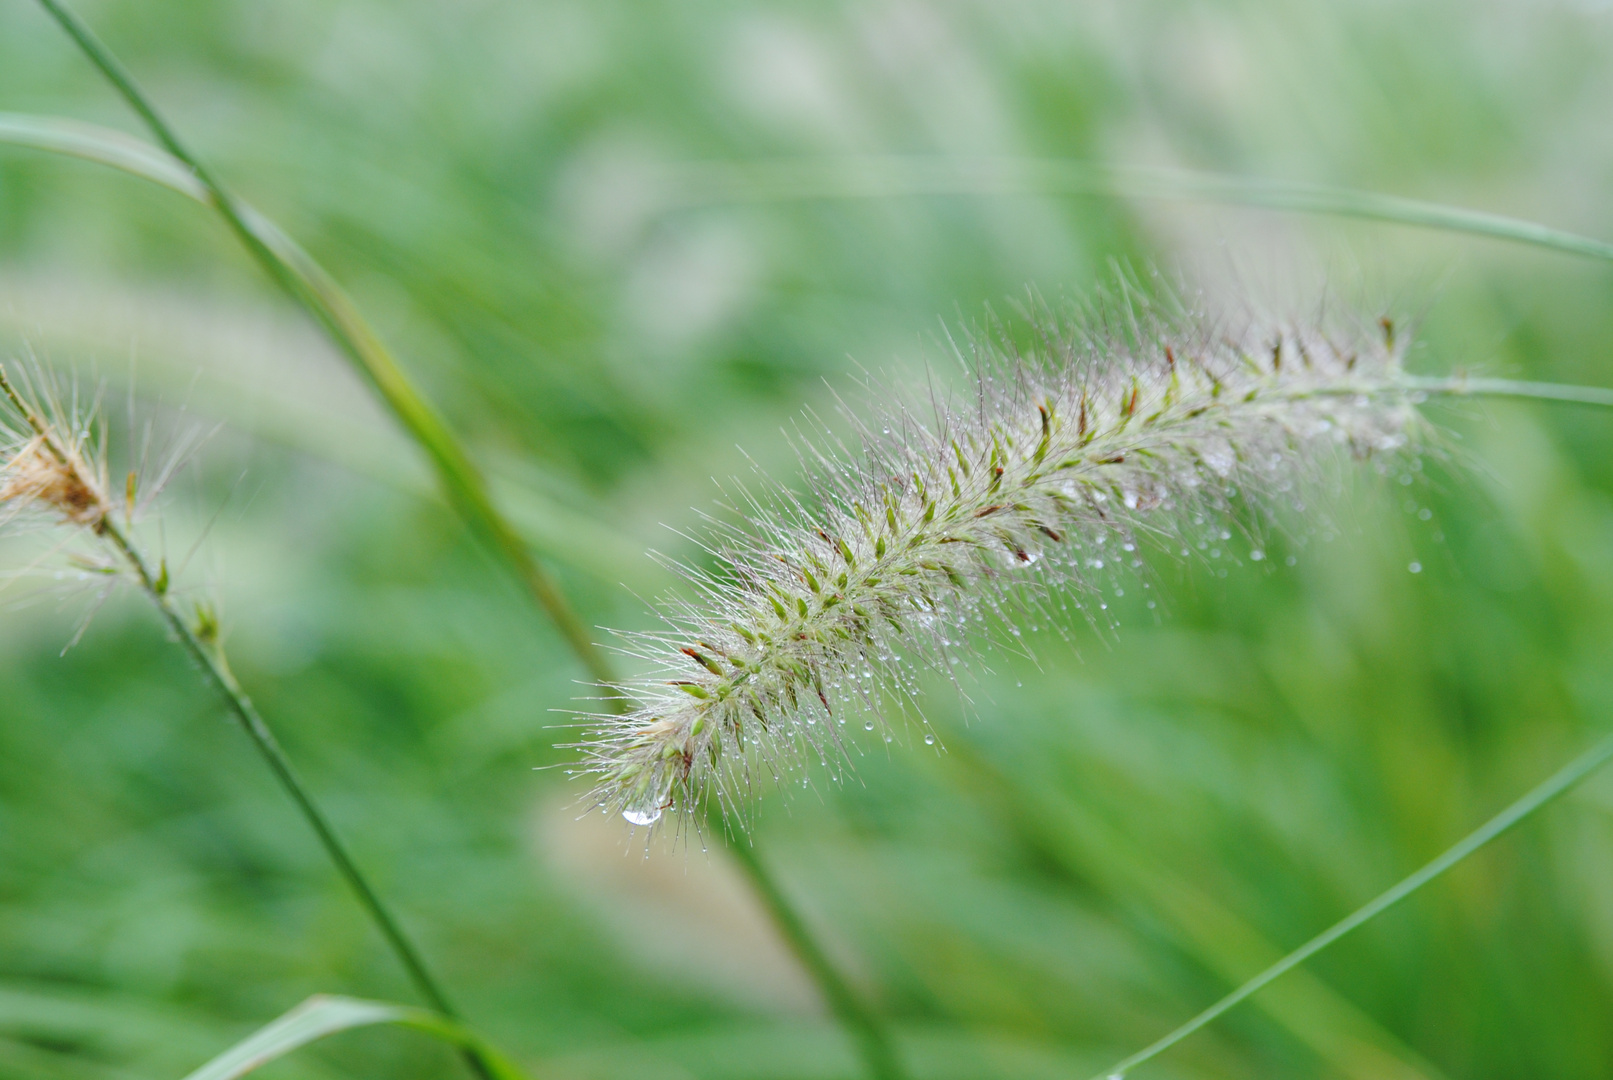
(929, 740)
(1415, 568)
(1256, 555)
(869, 726)
(1425, 513)
(1292, 560)
(643, 817)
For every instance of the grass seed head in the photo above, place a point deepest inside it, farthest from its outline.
(948, 515)
(50, 466)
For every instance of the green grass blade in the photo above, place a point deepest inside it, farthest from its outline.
(1059, 829)
(902, 177)
(321, 1016)
(102, 145)
(1564, 781)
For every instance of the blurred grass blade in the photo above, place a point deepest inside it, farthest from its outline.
(321, 1016)
(1072, 838)
(103, 145)
(1546, 792)
(308, 283)
(897, 177)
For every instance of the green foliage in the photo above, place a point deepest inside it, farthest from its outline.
(1118, 834)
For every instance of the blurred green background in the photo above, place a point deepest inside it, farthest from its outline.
(1115, 837)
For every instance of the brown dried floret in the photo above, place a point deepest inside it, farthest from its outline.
(63, 483)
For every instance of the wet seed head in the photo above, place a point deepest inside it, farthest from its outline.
(947, 515)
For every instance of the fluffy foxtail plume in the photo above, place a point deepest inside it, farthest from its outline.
(1063, 455)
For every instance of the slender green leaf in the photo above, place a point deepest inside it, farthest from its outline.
(321, 1016)
(895, 177)
(1547, 791)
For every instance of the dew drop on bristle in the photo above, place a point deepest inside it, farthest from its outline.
(643, 817)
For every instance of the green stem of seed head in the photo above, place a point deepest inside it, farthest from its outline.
(1569, 777)
(200, 641)
(872, 1040)
(300, 276)
(210, 655)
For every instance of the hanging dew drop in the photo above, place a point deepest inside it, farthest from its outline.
(643, 817)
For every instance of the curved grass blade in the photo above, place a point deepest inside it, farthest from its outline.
(703, 184)
(322, 1015)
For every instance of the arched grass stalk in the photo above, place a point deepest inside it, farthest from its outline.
(49, 468)
(708, 183)
(1569, 777)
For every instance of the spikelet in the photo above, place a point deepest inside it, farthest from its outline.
(823, 606)
(49, 465)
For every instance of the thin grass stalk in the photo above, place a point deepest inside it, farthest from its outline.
(704, 184)
(300, 276)
(1553, 788)
(869, 1035)
(215, 667)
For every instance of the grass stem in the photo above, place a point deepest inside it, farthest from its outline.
(217, 670)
